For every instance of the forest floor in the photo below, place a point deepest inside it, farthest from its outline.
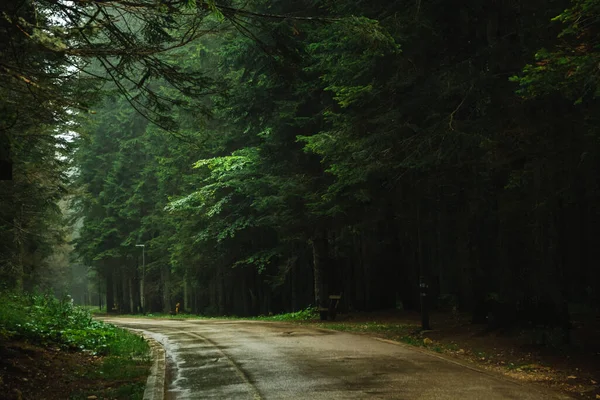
(28, 371)
(574, 368)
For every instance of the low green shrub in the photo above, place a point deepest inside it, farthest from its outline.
(46, 320)
(301, 315)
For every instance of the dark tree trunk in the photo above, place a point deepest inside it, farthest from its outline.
(110, 294)
(220, 287)
(166, 288)
(320, 268)
(126, 293)
(135, 292)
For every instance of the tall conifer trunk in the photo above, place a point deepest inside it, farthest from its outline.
(165, 273)
(110, 293)
(320, 267)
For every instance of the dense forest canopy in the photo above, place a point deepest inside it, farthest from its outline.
(254, 157)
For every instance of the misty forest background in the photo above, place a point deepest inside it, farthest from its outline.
(268, 154)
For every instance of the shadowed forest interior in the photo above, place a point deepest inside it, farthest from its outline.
(256, 157)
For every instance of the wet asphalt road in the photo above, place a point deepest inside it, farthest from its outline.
(262, 360)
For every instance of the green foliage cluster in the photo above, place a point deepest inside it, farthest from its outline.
(46, 320)
(307, 314)
(571, 66)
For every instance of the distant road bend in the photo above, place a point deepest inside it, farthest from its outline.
(263, 360)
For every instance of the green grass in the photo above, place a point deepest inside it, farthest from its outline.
(405, 333)
(309, 313)
(115, 368)
(394, 331)
(47, 321)
(164, 316)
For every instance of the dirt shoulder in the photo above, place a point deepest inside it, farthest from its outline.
(525, 355)
(32, 372)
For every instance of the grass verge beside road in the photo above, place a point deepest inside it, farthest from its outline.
(54, 350)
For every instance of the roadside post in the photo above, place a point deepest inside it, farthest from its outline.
(424, 289)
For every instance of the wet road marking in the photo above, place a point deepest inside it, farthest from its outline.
(239, 370)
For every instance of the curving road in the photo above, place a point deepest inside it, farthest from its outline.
(263, 360)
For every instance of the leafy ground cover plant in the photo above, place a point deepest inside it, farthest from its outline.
(66, 344)
(46, 320)
(309, 313)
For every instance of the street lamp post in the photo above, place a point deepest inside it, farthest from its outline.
(143, 282)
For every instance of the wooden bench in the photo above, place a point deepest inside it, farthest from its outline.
(331, 311)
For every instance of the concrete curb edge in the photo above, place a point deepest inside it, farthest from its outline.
(155, 385)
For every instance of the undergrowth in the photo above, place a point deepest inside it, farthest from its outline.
(307, 314)
(47, 321)
(406, 333)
